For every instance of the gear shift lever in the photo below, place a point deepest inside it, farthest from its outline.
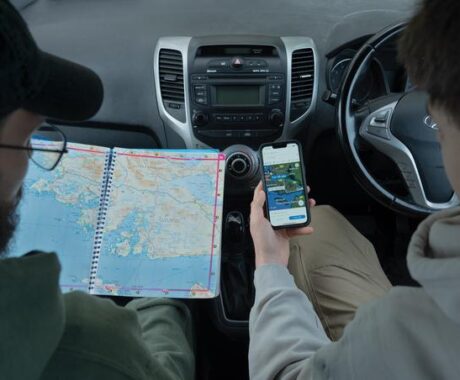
(236, 272)
(234, 231)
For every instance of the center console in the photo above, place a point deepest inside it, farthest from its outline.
(234, 93)
(216, 91)
(237, 92)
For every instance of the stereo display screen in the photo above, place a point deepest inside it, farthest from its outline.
(238, 96)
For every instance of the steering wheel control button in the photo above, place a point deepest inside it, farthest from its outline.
(378, 132)
(382, 117)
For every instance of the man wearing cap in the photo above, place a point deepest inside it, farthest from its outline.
(43, 333)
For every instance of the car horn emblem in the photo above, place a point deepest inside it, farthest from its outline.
(429, 122)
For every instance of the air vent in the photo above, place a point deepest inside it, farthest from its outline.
(171, 75)
(302, 81)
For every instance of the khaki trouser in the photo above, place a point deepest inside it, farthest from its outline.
(337, 268)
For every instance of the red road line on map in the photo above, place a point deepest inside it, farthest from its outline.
(214, 220)
(167, 290)
(167, 158)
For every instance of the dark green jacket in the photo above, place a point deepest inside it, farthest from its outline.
(47, 335)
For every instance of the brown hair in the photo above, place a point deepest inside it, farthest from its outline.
(430, 50)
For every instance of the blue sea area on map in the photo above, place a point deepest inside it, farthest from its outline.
(138, 270)
(281, 200)
(142, 276)
(51, 226)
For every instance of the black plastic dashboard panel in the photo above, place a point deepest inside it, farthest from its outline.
(262, 63)
(109, 135)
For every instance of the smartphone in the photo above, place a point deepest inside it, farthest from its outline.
(284, 184)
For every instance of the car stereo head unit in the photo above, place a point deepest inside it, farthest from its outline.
(237, 91)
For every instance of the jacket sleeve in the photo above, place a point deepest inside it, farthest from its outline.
(167, 332)
(284, 329)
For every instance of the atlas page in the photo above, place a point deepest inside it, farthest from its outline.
(59, 212)
(162, 231)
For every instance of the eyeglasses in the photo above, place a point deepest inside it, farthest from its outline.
(45, 148)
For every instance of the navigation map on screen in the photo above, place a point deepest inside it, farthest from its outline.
(285, 191)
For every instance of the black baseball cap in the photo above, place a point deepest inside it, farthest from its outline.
(40, 82)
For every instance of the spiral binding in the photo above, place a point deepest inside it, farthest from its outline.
(106, 188)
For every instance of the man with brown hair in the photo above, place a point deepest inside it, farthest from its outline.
(400, 332)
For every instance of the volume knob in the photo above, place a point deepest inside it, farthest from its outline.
(276, 118)
(200, 119)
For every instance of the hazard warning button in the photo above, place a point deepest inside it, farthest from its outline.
(237, 63)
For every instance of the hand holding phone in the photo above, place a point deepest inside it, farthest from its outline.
(284, 184)
(271, 246)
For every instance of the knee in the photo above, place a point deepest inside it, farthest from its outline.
(324, 211)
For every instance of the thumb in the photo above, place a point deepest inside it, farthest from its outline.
(258, 203)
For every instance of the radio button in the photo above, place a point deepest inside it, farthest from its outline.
(258, 117)
(206, 133)
(234, 117)
(219, 63)
(218, 118)
(242, 118)
(274, 99)
(226, 118)
(201, 100)
(250, 118)
(246, 134)
(199, 77)
(229, 134)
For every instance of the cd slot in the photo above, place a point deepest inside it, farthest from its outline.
(233, 77)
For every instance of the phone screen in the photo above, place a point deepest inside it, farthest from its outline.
(284, 185)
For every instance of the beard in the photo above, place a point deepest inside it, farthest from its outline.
(9, 219)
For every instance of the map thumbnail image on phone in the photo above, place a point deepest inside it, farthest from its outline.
(284, 185)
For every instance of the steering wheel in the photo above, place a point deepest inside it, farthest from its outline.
(398, 126)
